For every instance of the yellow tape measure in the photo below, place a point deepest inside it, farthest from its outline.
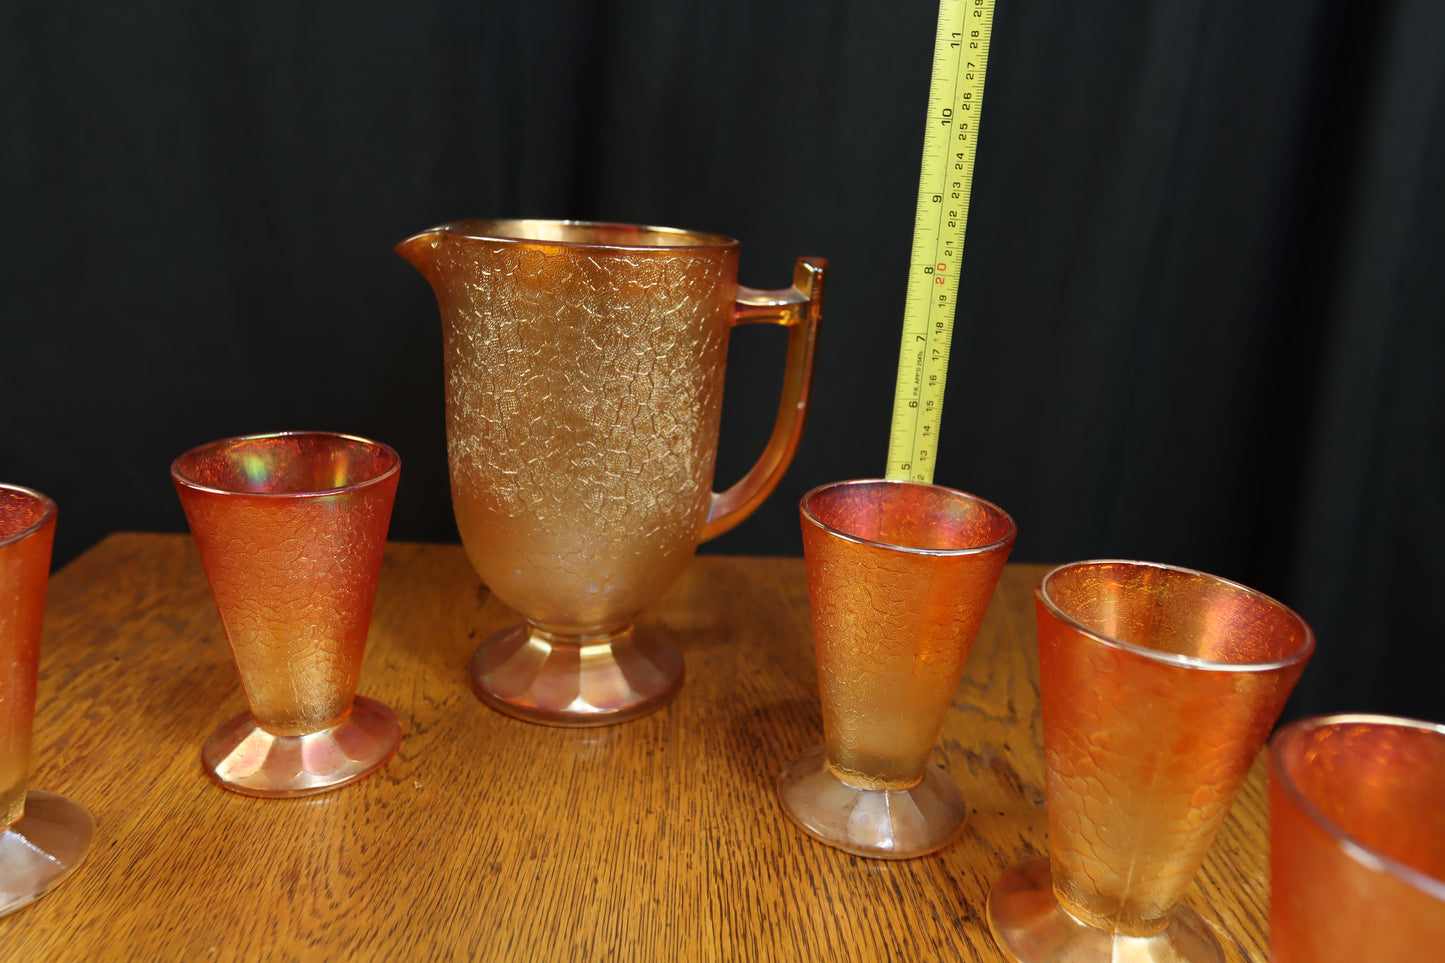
(950, 143)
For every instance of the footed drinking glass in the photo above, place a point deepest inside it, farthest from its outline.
(291, 528)
(45, 836)
(1159, 685)
(899, 578)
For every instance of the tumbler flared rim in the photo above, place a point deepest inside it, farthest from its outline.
(1361, 853)
(1299, 655)
(47, 513)
(994, 545)
(393, 466)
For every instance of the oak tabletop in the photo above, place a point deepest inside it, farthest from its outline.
(490, 838)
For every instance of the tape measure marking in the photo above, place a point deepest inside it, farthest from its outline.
(950, 145)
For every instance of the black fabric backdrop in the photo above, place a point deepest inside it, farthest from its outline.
(1200, 318)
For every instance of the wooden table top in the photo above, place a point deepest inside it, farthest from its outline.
(489, 838)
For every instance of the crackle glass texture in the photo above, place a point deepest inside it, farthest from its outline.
(584, 387)
(291, 529)
(1357, 840)
(27, 530)
(899, 579)
(1159, 686)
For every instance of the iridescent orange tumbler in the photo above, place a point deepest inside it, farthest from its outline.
(291, 528)
(899, 578)
(1357, 840)
(1159, 685)
(44, 836)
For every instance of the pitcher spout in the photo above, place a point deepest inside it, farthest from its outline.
(420, 251)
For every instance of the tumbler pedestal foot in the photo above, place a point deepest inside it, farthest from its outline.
(1031, 927)
(879, 823)
(246, 759)
(41, 848)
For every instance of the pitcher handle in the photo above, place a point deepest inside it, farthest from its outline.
(799, 309)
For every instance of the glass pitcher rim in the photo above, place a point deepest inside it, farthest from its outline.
(507, 231)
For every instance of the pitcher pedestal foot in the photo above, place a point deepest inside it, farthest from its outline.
(541, 677)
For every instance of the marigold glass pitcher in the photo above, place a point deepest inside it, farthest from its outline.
(584, 376)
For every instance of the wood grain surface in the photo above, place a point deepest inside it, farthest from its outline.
(489, 838)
